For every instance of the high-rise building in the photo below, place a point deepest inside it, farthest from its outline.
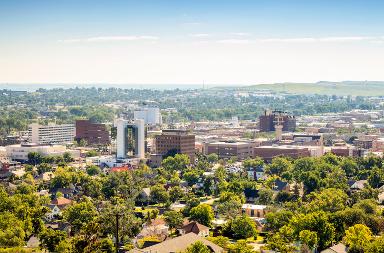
(150, 115)
(175, 142)
(130, 139)
(51, 134)
(92, 133)
(269, 119)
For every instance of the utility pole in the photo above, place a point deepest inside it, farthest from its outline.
(117, 233)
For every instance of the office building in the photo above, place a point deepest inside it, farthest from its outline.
(130, 139)
(270, 119)
(229, 149)
(51, 134)
(150, 115)
(175, 142)
(92, 133)
(19, 152)
(269, 152)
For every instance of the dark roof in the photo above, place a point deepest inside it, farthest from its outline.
(251, 193)
(280, 185)
(194, 227)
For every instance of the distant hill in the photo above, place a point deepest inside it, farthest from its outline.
(354, 88)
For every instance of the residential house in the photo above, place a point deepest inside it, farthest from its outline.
(156, 228)
(338, 248)
(251, 194)
(256, 173)
(194, 227)
(279, 186)
(179, 244)
(251, 210)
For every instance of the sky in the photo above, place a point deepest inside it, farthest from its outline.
(234, 42)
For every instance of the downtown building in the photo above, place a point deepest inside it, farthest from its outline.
(51, 134)
(92, 133)
(171, 142)
(150, 115)
(130, 139)
(270, 119)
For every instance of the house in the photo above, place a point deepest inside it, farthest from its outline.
(179, 244)
(194, 227)
(256, 173)
(157, 228)
(66, 192)
(254, 210)
(279, 186)
(338, 248)
(251, 194)
(61, 202)
(54, 211)
(46, 176)
(359, 185)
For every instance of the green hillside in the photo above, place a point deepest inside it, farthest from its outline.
(326, 88)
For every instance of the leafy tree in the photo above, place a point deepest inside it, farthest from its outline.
(328, 200)
(253, 163)
(358, 237)
(265, 196)
(93, 170)
(198, 247)
(203, 214)
(176, 193)
(308, 238)
(376, 246)
(50, 239)
(34, 158)
(12, 231)
(278, 166)
(242, 227)
(80, 214)
(68, 157)
(174, 219)
(159, 194)
(179, 162)
(240, 246)
(212, 158)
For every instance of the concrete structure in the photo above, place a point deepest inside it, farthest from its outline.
(228, 149)
(130, 139)
(92, 133)
(51, 134)
(175, 142)
(19, 152)
(268, 121)
(150, 115)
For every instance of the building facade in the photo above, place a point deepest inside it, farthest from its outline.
(92, 133)
(51, 134)
(19, 152)
(228, 149)
(175, 142)
(269, 119)
(130, 139)
(150, 115)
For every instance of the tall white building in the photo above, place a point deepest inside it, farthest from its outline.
(51, 133)
(150, 115)
(130, 138)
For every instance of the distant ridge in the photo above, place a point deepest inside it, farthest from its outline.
(345, 88)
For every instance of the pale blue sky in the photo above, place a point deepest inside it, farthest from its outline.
(178, 41)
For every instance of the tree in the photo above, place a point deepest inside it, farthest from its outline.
(358, 238)
(176, 193)
(12, 231)
(212, 158)
(240, 246)
(34, 158)
(191, 176)
(174, 219)
(80, 214)
(376, 246)
(50, 239)
(265, 196)
(328, 200)
(278, 166)
(198, 247)
(159, 194)
(67, 157)
(308, 238)
(203, 214)
(242, 227)
(93, 170)
(179, 162)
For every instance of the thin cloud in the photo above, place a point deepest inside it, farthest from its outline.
(240, 34)
(318, 39)
(233, 41)
(111, 39)
(200, 35)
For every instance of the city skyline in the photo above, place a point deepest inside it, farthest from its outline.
(190, 42)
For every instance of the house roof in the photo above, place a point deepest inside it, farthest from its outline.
(179, 244)
(280, 185)
(194, 227)
(120, 169)
(338, 248)
(61, 201)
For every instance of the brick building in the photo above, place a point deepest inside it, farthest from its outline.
(175, 142)
(92, 133)
(267, 121)
(228, 149)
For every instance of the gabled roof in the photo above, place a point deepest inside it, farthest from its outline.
(194, 227)
(338, 248)
(179, 244)
(61, 201)
(280, 185)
